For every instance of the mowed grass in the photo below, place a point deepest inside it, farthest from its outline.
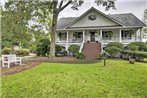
(118, 79)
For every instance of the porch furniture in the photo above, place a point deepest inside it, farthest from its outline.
(11, 58)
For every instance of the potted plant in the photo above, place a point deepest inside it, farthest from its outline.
(110, 33)
(131, 32)
(132, 59)
(88, 41)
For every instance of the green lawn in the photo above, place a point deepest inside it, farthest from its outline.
(118, 79)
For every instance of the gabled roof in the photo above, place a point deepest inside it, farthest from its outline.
(63, 22)
(127, 19)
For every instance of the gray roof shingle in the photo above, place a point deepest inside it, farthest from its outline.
(127, 19)
(63, 22)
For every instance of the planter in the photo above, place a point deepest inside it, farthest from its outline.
(131, 61)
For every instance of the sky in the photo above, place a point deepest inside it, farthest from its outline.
(135, 7)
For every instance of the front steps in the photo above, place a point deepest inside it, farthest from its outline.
(91, 50)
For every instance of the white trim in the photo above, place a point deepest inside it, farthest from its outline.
(98, 28)
(67, 41)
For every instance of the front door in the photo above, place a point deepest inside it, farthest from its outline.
(92, 36)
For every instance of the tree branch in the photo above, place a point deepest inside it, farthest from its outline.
(60, 4)
(69, 2)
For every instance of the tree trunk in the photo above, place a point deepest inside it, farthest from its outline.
(53, 30)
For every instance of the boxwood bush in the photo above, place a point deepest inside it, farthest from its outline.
(138, 55)
(113, 50)
(115, 44)
(22, 52)
(141, 46)
(80, 56)
(74, 49)
(6, 51)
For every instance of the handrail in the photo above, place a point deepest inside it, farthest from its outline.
(81, 47)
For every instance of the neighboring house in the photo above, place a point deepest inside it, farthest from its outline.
(93, 30)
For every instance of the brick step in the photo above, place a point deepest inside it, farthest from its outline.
(91, 50)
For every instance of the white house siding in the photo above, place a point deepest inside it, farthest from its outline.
(100, 21)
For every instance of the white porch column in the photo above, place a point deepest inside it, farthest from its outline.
(101, 40)
(67, 41)
(120, 39)
(101, 35)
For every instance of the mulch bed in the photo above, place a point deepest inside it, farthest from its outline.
(17, 68)
(31, 63)
(37, 60)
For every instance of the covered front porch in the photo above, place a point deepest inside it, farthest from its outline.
(103, 36)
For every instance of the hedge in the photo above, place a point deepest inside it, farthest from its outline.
(22, 52)
(116, 44)
(6, 51)
(139, 54)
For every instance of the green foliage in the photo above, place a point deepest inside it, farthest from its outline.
(14, 21)
(42, 47)
(80, 56)
(138, 55)
(6, 51)
(22, 52)
(74, 49)
(33, 48)
(113, 50)
(59, 80)
(132, 47)
(17, 20)
(99, 57)
(58, 48)
(141, 45)
(115, 44)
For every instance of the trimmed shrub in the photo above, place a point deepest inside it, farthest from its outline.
(115, 44)
(141, 45)
(6, 51)
(99, 57)
(80, 56)
(74, 49)
(132, 47)
(138, 55)
(113, 50)
(22, 52)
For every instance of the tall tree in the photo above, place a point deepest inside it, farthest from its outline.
(145, 16)
(19, 18)
(58, 5)
(145, 21)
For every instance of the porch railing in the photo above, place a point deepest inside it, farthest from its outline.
(75, 40)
